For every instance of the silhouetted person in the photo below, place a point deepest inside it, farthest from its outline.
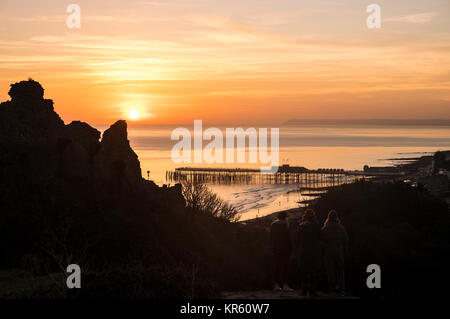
(281, 247)
(308, 251)
(335, 238)
(292, 267)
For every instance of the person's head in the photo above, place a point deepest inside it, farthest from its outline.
(332, 218)
(309, 216)
(282, 215)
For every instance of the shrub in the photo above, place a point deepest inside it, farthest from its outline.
(201, 200)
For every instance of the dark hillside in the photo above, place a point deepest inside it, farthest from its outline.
(67, 196)
(403, 229)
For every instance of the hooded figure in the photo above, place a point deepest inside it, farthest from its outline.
(308, 251)
(335, 239)
(280, 241)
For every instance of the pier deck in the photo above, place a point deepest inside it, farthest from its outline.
(293, 175)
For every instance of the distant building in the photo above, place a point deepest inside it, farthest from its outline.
(382, 169)
(440, 162)
(286, 168)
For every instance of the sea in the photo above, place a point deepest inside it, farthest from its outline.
(314, 146)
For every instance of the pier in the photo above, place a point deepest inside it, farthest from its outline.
(305, 178)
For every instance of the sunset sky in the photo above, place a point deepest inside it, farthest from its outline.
(230, 62)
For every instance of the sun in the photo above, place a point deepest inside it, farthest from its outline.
(134, 114)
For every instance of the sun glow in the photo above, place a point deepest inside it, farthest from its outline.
(134, 114)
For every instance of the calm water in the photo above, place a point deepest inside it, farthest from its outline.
(309, 146)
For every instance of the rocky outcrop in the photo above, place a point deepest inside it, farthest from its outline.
(35, 141)
(116, 161)
(31, 133)
(87, 137)
(28, 116)
(26, 91)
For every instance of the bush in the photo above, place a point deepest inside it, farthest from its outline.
(201, 200)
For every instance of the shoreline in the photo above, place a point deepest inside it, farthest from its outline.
(410, 167)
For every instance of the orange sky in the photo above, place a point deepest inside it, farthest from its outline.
(231, 62)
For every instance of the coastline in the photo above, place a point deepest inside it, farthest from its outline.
(413, 165)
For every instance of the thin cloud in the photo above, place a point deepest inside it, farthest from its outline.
(91, 18)
(418, 18)
(163, 4)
